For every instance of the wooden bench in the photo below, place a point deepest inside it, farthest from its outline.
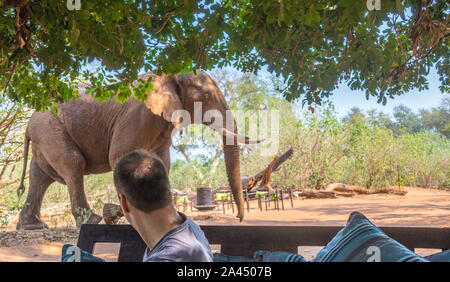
(244, 240)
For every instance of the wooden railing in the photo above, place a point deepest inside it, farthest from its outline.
(244, 240)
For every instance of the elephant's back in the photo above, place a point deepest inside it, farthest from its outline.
(90, 124)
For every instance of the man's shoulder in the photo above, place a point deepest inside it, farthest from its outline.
(185, 243)
(197, 232)
(177, 250)
(194, 227)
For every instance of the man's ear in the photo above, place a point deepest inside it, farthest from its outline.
(124, 203)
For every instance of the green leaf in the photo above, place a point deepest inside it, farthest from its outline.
(400, 9)
(74, 33)
(312, 17)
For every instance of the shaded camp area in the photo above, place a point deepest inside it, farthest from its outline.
(419, 208)
(286, 125)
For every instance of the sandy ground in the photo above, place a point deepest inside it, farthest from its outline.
(420, 207)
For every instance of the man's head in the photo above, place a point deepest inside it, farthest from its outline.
(141, 181)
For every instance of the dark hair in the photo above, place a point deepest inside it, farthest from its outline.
(142, 177)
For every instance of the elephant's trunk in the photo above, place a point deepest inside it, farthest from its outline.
(232, 164)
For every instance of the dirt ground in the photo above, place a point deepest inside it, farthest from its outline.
(420, 207)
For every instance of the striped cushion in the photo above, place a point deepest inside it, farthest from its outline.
(440, 257)
(217, 257)
(268, 256)
(261, 256)
(71, 253)
(361, 240)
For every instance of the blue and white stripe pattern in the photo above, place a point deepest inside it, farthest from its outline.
(268, 256)
(360, 240)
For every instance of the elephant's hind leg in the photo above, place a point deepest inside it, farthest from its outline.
(64, 160)
(29, 217)
(70, 165)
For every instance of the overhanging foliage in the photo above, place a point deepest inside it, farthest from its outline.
(312, 44)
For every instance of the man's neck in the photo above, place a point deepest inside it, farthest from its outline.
(153, 226)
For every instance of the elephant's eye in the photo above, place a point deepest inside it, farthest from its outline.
(196, 93)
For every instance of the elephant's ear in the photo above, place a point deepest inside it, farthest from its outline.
(164, 100)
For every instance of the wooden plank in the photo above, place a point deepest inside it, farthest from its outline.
(131, 245)
(289, 237)
(246, 199)
(132, 251)
(290, 197)
(245, 240)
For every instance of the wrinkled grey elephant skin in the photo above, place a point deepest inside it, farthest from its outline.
(89, 137)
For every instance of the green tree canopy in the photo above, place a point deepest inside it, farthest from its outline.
(313, 44)
(405, 120)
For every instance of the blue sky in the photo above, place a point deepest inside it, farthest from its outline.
(344, 98)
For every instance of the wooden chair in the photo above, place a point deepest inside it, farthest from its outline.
(183, 204)
(277, 198)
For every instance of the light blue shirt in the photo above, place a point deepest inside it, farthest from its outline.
(185, 243)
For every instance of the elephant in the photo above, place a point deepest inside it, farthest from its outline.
(87, 136)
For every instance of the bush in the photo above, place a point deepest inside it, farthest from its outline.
(370, 155)
(425, 158)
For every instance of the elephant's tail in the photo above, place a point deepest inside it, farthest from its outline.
(21, 188)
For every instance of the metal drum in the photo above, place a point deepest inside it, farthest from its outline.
(204, 199)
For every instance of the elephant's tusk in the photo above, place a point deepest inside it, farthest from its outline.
(239, 138)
